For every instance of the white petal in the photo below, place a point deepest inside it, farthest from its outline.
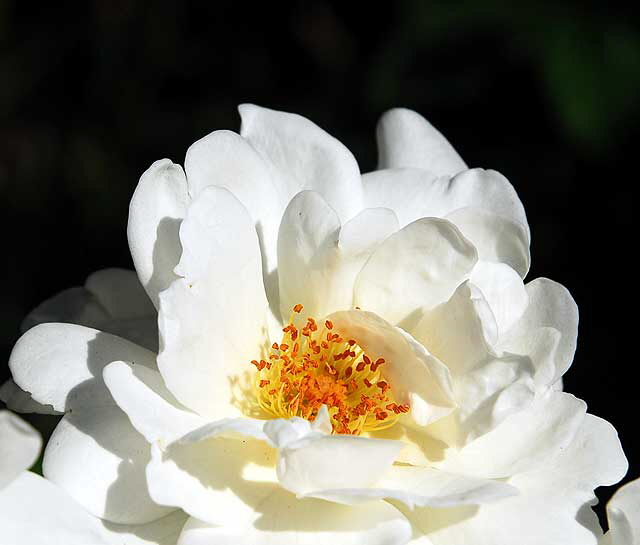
(285, 520)
(418, 267)
(119, 291)
(503, 290)
(307, 254)
(74, 305)
(550, 306)
(20, 446)
(217, 479)
(305, 157)
(112, 300)
(460, 331)
(213, 321)
(553, 505)
(406, 139)
(496, 389)
(497, 239)
(100, 460)
(19, 401)
(334, 461)
(623, 513)
(154, 412)
(34, 510)
(524, 440)
(424, 486)
(413, 194)
(225, 159)
(61, 364)
(155, 212)
(318, 261)
(415, 376)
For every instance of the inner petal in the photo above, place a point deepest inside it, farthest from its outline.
(314, 366)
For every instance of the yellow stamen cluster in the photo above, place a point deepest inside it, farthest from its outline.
(315, 366)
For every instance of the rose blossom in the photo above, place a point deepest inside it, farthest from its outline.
(342, 357)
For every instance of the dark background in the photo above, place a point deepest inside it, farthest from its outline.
(546, 93)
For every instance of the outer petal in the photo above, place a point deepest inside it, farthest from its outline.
(497, 239)
(213, 321)
(459, 331)
(553, 507)
(415, 376)
(418, 267)
(34, 510)
(20, 446)
(112, 300)
(154, 412)
(99, 459)
(19, 401)
(541, 431)
(487, 386)
(406, 139)
(414, 194)
(623, 513)
(285, 520)
(74, 305)
(423, 486)
(155, 212)
(503, 290)
(550, 306)
(305, 157)
(61, 364)
(309, 464)
(318, 261)
(216, 479)
(225, 159)
(120, 293)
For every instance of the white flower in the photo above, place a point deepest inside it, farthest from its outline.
(342, 358)
(623, 515)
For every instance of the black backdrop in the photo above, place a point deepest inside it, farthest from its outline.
(546, 93)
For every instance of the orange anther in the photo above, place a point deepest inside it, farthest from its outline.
(263, 383)
(329, 324)
(275, 346)
(348, 372)
(366, 359)
(284, 347)
(360, 366)
(381, 415)
(383, 386)
(297, 308)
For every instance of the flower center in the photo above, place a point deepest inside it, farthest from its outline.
(315, 366)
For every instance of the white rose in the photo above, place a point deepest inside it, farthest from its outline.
(342, 358)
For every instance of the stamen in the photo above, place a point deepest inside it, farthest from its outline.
(323, 368)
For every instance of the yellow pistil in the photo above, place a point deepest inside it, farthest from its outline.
(315, 366)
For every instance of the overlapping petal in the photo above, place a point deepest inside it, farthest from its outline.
(303, 156)
(155, 213)
(34, 510)
(61, 364)
(110, 480)
(418, 267)
(623, 515)
(406, 139)
(19, 447)
(284, 519)
(319, 260)
(213, 320)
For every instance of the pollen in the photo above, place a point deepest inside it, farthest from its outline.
(314, 366)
